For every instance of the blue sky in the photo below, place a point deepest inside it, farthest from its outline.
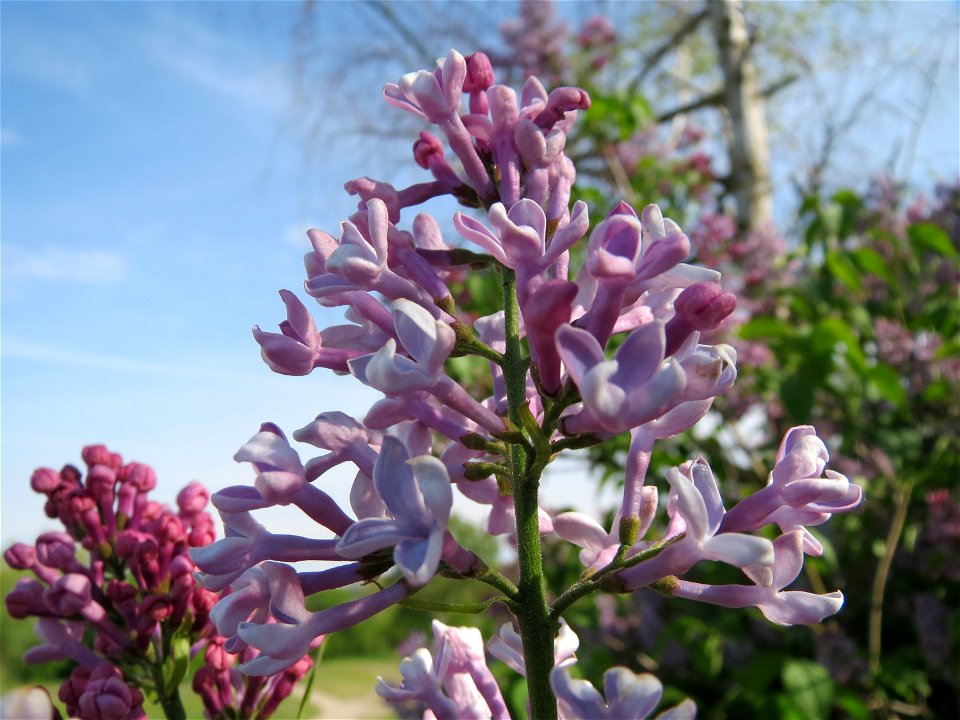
(154, 199)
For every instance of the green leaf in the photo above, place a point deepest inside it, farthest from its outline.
(928, 236)
(316, 655)
(809, 687)
(832, 331)
(869, 260)
(764, 327)
(886, 381)
(843, 269)
(796, 392)
(175, 665)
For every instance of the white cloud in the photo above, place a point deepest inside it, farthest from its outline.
(58, 263)
(203, 58)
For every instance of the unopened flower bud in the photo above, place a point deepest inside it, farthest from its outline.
(44, 480)
(25, 599)
(427, 148)
(69, 595)
(20, 556)
(479, 73)
(57, 550)
(139, 475)
(193, 498)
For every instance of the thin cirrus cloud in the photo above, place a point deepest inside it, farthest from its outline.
(62, 264)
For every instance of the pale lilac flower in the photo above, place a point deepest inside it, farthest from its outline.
(796, 495)
(421, 681)
(283, 644)
(698, 511)
(61, 640)
(297, 349)
(507, 646)
(598, 546)
(628, 697)
(279, 470)
(791, 607)
(248, 543)
(428, 342)
(417, 492)
(635, 387)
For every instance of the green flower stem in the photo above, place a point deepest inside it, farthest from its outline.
(475, 608)
(171, 703)
(596, 581)
(536, 629)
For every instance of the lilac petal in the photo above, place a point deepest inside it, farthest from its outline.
(789, 558)
(478, 233)
(605, 399)
(569, 234)
(394, 374)
(690, 505)
(364, 498)
(663, 255)
(807, 458)
(795, 607)
(815, 489)
(578, 695)
(286, 593)
(277, 640)
(279, 487)
(681, 418)
(332, 431)
(653, 226)
(739, 550)
(434, 484)
(396, 97)
(686, 710)
(640, 355)
(630, 695)
(283, 354)
(656, 396)
(582, 530)
(793, 436)
(418, 558)
(706, 485)
(358, 367)
(429, 341)
(371, 534)
(507, 646)
(221, 557)
(579, 351)
(395, 482)
(238, 498)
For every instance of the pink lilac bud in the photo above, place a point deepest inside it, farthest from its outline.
(107, 696)
(26, 599)
(72, 689)
(701, 306)
(192, 499)
(99, 455)
(427, 149)
(69, 595)
(202, 531)
(44, 480)
(479, 73)
(57, 550)
(20, 556)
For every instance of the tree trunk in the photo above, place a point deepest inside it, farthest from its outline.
(748, 146)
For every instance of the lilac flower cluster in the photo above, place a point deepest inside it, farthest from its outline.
(131, 582)
(557, 384)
